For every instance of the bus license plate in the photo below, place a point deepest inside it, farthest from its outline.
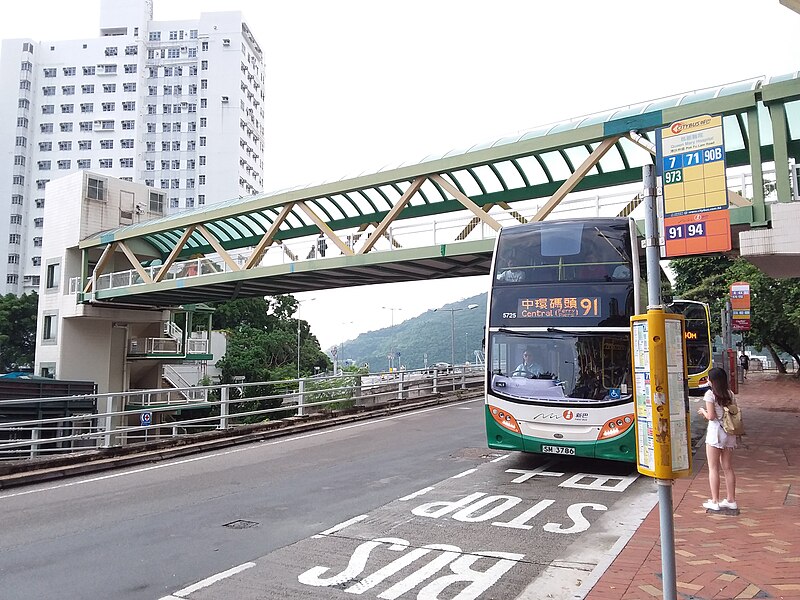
(558, 450)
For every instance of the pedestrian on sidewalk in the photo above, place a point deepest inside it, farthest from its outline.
(744, 361)
(719, 445)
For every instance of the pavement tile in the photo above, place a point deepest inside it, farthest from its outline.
(751, 555)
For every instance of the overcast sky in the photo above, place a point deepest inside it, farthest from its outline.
(354, 85)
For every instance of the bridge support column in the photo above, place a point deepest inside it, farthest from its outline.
(756, 167)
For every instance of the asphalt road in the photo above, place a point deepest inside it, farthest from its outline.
(408, 499)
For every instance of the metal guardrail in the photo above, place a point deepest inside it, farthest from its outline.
(144, 415)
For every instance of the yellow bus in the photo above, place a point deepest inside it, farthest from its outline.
(698, 341)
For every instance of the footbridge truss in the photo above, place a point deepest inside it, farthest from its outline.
(437, 218)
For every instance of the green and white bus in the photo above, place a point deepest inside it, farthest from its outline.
(563, 293)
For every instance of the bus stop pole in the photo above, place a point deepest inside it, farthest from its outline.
(653, 255)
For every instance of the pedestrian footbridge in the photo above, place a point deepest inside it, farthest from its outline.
(438, 217)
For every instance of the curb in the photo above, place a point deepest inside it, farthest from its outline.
(148, 452)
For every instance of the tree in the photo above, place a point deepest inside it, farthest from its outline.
(18, 330)
(775, 316)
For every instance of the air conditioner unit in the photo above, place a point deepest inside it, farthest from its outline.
(224, 99)
(226, 42)
(184, 49)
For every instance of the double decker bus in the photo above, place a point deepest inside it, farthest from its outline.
(562, 295)
(698, 341)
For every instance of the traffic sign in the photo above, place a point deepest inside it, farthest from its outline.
(690, 160)
(145, 418)
(740, 305)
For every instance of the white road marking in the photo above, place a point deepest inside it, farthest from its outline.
(464, 474)
(416, 494)
(464, 408)
(246, 448)
(209, 581)
(340, 526)
(499, 458)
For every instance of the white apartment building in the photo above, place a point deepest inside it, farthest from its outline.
(175, 105)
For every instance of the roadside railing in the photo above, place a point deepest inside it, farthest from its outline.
(120, 419)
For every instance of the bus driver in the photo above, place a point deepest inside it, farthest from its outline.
(527, 368)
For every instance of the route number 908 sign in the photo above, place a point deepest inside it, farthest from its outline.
(691, 163)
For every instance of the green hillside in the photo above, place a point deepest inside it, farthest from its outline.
(429, 333)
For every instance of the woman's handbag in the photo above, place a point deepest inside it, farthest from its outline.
(732, 420)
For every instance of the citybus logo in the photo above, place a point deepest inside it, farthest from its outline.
(681, 126)
(568, 414)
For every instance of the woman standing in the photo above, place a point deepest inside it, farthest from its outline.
(719, 445)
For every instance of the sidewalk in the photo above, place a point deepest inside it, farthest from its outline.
(753, 555)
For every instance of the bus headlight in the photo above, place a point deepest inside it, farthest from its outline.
(614, 427)
(504, 419)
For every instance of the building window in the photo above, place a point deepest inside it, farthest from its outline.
(204, 103)
(173, 53)
(87, 107)
(41, 183)
(89, 70)
(173, 35)
(129, 105)
(16, 199)
(84, 163)
(21, 141)
(204, 46)
(12, 279)
(65, 146)
(18, 180)
(14, 238)
(156, 202)
(108, 125)
(176, 164)
(108, 106)
(49, 327)
(150, 165)
(106, 163)
(155, 36)
(37, 242)
(151, 147)
(13, 259)
(193, 89)
(204, 65)
(126, 143)
(67, 108)
(201, 179)
(109, 88)
(175, 184)
(204, 84)
(16, 220)
(126, 163)
(87, 88)
(190, 145)
(202, 159)
(46, 128)
(152, 90)
(50, 72)
(48, 109)
(68, 90)
(23, 103)
(201, 199)
(130, 68)
(176, 145)
(38, 222)
(202, 140)
(166, 109)
(44, 165)
(131, 50)
(190, 183)
(190, 164)
(109, 69)
(128, 124)
(164, 165)
(86, 126)
(190, 202)
(39, 202)
(203, 121)
(84, 144)
(167, 90)
(111, 51)
(19, 160)
(25, 84)
(164, 184)
(69, 71)
(45, 146)
(149, 182)
(165, 127)
(151, 109)
(174, 203)
(96, 189)
(129, 87)
(36, 261)
(192, 52)
(107, 144)
(52, 277)
(65, 127)
(49, 90)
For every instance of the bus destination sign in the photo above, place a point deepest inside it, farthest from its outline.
(560, 306)
(691, 163)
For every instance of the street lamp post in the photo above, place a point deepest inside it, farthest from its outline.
(299, 303)
(453, 329)
(391, 337)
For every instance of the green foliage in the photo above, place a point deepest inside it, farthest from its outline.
(262, 340)
(775, 316)
(333, 388)
(17, 330)
(430, 333)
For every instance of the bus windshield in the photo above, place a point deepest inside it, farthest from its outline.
(560, 367)
(566, 251)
